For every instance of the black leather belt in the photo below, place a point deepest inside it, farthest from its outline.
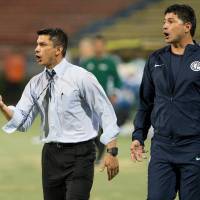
(60, 144)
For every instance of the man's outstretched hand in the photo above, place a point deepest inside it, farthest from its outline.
(1, 102)
(8, 113)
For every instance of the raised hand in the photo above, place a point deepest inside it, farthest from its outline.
(1, 102)
(8, 113)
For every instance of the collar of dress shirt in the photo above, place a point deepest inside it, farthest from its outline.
(59, 68)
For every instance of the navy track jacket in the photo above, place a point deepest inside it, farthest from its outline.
(172, 108)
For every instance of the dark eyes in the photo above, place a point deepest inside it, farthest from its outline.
(169, 22)
(42, 44)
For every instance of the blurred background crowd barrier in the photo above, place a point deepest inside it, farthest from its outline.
(132, 28)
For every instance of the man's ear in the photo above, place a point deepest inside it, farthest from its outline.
(188, 27)
(59, 50)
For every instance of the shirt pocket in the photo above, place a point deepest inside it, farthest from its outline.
(71, 110)
(69, 100)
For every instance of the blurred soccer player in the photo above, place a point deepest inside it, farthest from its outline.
(104, 68)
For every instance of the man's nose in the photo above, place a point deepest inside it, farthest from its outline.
(37, 49)
(164, 26)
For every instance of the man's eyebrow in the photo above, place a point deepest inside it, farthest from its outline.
(170, 18)
(41, 42)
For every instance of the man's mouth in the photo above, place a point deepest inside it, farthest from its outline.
(166, 35)
(38, 58)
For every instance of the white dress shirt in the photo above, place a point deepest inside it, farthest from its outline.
(78, 107)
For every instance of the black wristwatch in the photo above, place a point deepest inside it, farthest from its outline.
(113, 151)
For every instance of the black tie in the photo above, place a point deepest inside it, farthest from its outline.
(50, 76)
(47, 98)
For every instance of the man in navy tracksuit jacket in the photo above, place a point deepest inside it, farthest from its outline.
(170, 102)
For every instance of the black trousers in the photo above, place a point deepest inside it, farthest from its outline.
(174, 167)
(68, 170)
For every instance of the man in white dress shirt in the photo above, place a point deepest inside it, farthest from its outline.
(72, 106)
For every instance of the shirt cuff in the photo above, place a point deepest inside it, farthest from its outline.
(109, 136)
(12, 125)
(138, 136)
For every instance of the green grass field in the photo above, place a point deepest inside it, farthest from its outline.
(20, 171)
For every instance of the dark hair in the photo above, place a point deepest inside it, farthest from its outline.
(185, 13)
(100, 37)
(57, 36)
